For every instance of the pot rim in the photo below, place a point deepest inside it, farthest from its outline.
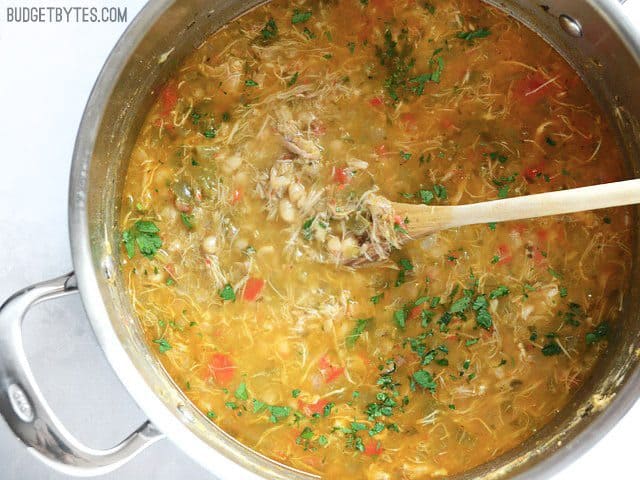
(144, 395)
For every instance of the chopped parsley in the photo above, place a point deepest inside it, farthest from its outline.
(292, 81)
(425, 380)
(551, 348)
(376, 298)
(501, 291)
(144, 235)
(270, 30)
(227, 293)
(187, 220)
(163, 345)
(300, 17)
(426, 196)
(241, 392)
(361, 325)
(599, 333)
(473, 34)
(250, 83)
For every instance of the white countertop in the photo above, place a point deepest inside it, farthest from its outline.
(46, 74)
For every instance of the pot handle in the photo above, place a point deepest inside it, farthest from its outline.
(27, 412)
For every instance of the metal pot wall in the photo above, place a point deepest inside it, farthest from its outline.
(593, 35)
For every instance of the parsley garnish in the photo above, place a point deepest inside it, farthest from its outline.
(163, 345)
(473, 34)
(270, 30)
(241, 392)
(187, 220)
(551, 348)
(292, 81)
(599, 333)
(361, 325)
(144, 234)
(227, 293)
(250, 83)
(425, 380)
(300, 17)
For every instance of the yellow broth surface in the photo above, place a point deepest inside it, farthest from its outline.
(246, 188)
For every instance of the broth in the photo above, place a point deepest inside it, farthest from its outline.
(250, 182)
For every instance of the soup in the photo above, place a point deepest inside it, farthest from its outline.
(249, 198)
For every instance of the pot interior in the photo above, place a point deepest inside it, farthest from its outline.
(592, 36)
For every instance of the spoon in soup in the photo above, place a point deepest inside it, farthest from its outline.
(421, 220)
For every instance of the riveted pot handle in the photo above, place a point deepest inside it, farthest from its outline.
(27, 412)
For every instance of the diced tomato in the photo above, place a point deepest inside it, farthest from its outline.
(415, 312)
(532, 173)
(311, 408)
(504, 252)
(236, 195)
(380, 150)
(314, 461)
(538, 256)
(373, 447)
(252, 289)
(376, 102)
(342, 176)
(329, 372)
(446, 123)
(318, 128)
(408, 118)
(168, 98)
(532, 88)
(221, 368)
(542, 234)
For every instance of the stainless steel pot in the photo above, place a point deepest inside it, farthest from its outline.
(593, 35)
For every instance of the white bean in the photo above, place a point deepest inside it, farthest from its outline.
(279, 183)
(169, 214)
(210, 244)
(296, 192)
(157, 276)
(232, 163)
(287, 211)
(241, 243)
(334, 245)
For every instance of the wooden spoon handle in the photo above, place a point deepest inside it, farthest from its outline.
(544, 204)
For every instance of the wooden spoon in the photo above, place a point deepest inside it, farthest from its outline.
(426, 219)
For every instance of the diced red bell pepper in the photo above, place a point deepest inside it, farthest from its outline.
(221, 368)
(252, 289)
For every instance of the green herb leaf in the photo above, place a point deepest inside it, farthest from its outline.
(440, 191)
(400, 317)
(550, 349)
(270, 30)
(460, 305)
(361, 325)
(227, 293)
(425, 380)
(473, 34)
(599, 333)
(241, 392)
(292, 81)
(163, 345)
(426, 196)
(376, 298)
(501, 291)
(187, 220)
(300, 17)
